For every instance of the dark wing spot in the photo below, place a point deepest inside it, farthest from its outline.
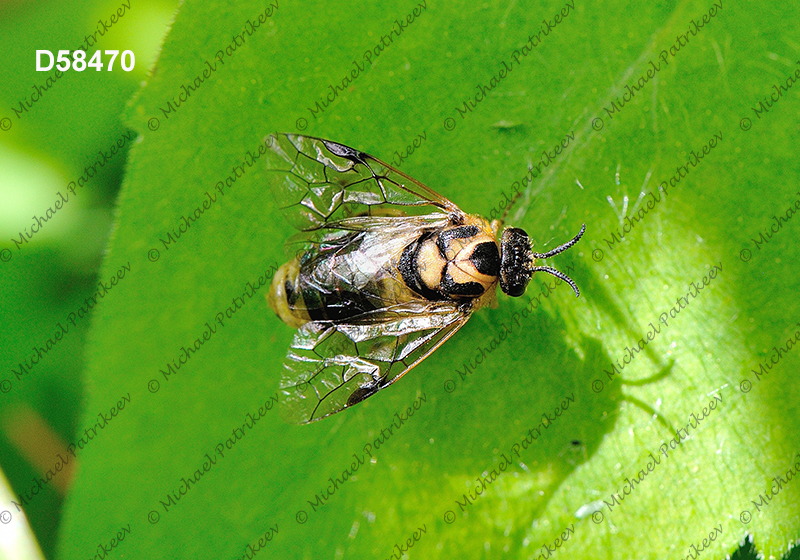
(362, 393)
(486, 258)
(344, 151)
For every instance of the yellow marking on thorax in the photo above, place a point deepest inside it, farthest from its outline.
(463, 269)
(488, 232)
(482, 223)
(430, 264)
(456, 246)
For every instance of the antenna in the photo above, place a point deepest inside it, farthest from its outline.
(561, 248)
(556, 251)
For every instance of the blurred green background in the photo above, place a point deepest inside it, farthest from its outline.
(51, 276)
(270, 82)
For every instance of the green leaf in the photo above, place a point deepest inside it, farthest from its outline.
(50, 250)
(171, 290)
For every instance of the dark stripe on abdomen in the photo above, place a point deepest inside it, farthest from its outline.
(336, 305)
(409, 270)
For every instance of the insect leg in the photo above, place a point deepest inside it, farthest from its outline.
(514, 200)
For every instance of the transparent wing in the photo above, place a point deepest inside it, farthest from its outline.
(358, 262)
(334, 366)
(318, 182)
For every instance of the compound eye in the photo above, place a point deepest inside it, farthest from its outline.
(514, 288)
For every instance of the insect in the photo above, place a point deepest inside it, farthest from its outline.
(386, 271)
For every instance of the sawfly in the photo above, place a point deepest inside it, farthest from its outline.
(386, 271)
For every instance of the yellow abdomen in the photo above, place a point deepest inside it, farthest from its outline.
(283, 295)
